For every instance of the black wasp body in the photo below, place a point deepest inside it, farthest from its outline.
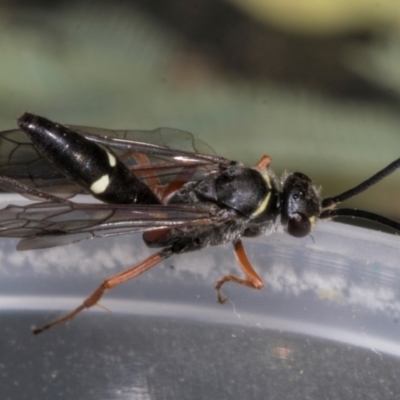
(155, 182)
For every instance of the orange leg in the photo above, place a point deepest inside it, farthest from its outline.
(109, 284)
(151, 180)
(251, 279)
(170, 189)
(264, 162)
(161, 191)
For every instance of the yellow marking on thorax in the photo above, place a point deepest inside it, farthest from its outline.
(264, 204)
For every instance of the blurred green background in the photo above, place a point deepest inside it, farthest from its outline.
(316, 85)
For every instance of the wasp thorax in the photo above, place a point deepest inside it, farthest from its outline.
(242, 189)
(300, 204)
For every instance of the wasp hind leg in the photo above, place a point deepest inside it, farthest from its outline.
(251, 279)
(109, 284)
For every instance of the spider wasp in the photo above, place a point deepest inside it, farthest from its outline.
(163, 183)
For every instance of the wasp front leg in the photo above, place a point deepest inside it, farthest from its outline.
(251, 279)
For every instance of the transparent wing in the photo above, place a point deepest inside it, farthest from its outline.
(164, 137)
(50, 224)
(166, 151)
(20, 160)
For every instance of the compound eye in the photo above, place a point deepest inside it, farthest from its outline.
(299, 225)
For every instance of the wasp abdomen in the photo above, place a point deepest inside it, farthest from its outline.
(95, 169)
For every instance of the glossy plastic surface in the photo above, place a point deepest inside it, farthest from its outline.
(325, 326)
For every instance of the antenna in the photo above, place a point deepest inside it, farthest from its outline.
(329, 203)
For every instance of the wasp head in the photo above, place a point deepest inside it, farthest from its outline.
(300, 204)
